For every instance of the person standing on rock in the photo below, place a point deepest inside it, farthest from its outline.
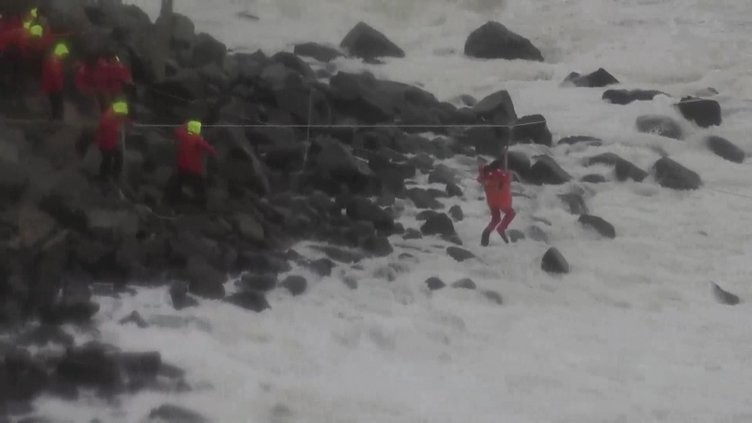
(107, 139)
(53, 78)
(191, 150)
(497, 183)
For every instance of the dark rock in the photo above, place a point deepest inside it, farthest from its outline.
(168, 413)
(43, 335)
(599, 224)
(361, 208)
(294, 63)
(259, 282)
(453, 190)
(208, 50)
(624, 97)
(537, 234)
(262, 263)
(594, 179)
(515, 235)
(434, 283)
(21, 377)
(322, 267)
(13, 182)
(350, 282)
(584, 139)
(554, 262)
(494, 41)
(136, 319)
(465, 283)
(204, 280)
(342, 255)
(367, 43)
(704, 112)
(660, 125)
(442, 174)
(412, 234)
(532, 129)
(725, 149)
(459, 254)
(237, 161)
(493, 296)
(624, 169)
(575, 203)
(438, 224)
(599, 78)
(547, 171)
(671, 174)
(496, 108)
(423, 199)
(724, 297)
(179, 296)
(248, 227)
(378, 246)
(295, 284)
(319, 52)
(92, 366)
(249, 300)
(140, 369)
(336, 163)
(456, 213)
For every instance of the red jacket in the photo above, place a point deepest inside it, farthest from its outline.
(9, 31)
(31, 47)
(108, 131)
(190, 151)
(52, 75)
(90, 78)
(498, 186)
(114, 76)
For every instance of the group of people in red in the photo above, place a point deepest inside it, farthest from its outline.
(28, 47)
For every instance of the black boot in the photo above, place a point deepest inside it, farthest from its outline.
(504, 237)
(484, 238)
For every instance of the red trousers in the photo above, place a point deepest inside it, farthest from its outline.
(497, 222)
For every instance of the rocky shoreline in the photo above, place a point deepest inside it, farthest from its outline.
(272, 184)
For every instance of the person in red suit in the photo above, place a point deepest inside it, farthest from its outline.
(107, 138)
(497, 183)
(191, 150)
(91, 78)
(53, 80)
(115, 76)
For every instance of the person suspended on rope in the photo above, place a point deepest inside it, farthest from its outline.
(107, 138)
(191, 149)
(496, 179)
(53, 80)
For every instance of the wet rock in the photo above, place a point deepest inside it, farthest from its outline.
(322, 267)
(594, 179)
(660, 125)
(135, 318)
(456, 213)
(377, 245)
(442, 174)
(515, 235)
(250, 300)
(554, 262)
(367, 43)
(453, 190)
(532, 129)
(91, 366)
(320, 52)
(671, 174)
(259, 282)
(168, 413)
(423, 199)
(180, 297)
(494, 41)
(459, 254)
(624, 97)
(725, 149)
(537, 234)
(547, 172)
(204, 280)
(411, 233)
(296, 284)
(704, 112)
(599, 78)
(342, 255)
(465, 283)
(575, 203)
(724, 297)
(493, 296)
(496, 108)
(438, 224)
(599, 224)
(434, 283)
(361, 208)
(624, 169)
(581, 139)
(22, 377)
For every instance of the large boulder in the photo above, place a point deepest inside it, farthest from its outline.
(598, 224)
(546, 171)
(599, 78)
(331, 160)
(554, 262)
(725, 149)
(204, 280)
(367, 43)
(624, 168)
(671, 174)
(237, 161)
(703, 112)
(494, 41)
(438, 224)
(208, 50)
(724, 297)
(361, 208)
(496, 108)
(532, 129)
(660, 125)
(624, 97)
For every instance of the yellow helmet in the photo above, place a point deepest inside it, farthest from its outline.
(193, 127)
(61, 50)
(120, 108)
(34, 13)
(36, 31)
